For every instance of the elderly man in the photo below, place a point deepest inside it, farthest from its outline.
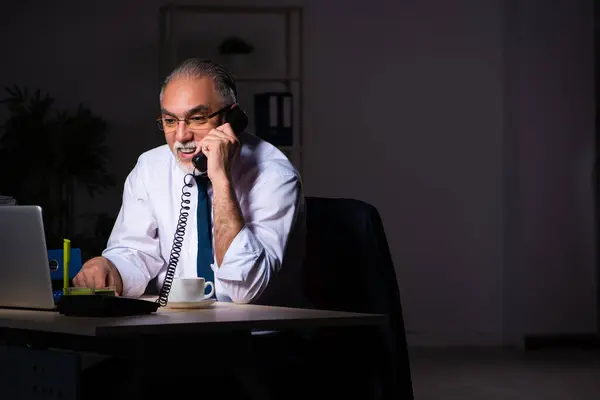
(244, 231)
(247, 236)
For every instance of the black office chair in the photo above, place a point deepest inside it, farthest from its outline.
(349, 268)
(345, 244)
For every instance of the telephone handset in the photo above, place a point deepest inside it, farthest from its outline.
(238, 120)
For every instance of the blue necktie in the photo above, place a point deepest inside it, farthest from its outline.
(205, 252)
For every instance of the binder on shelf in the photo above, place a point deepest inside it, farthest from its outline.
(273, 116)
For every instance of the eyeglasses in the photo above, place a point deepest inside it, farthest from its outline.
(197, 122)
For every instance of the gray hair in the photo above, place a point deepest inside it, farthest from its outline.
(195, 68)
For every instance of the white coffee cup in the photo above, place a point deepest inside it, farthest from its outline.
(190, 290)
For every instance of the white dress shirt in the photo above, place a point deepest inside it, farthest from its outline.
(269, 192)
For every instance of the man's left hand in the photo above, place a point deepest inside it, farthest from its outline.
(220, 146)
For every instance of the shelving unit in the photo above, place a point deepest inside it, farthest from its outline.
(290, 79)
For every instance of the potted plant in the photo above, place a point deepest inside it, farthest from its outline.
(46, 153)
(234, 51)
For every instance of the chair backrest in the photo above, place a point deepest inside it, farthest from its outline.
(348, 267)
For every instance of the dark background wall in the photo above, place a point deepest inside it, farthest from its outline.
(469, 124)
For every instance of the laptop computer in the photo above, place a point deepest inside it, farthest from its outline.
(25, 280)
(25, 277)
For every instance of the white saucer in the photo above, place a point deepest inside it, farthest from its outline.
(191, 304)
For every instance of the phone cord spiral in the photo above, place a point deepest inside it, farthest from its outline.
(177, 241)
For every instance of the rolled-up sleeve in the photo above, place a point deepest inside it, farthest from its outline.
(133, 246)
(256, 253)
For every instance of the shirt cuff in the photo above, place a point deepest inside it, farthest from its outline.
(134, 281)
(240, 258)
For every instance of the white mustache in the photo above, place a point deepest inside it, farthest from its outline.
(185, 146)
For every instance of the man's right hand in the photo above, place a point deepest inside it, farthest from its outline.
(99, 272)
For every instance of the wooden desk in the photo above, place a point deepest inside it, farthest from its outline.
(37, 339)
(219, 317)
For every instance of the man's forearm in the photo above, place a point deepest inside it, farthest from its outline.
(228, 219)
